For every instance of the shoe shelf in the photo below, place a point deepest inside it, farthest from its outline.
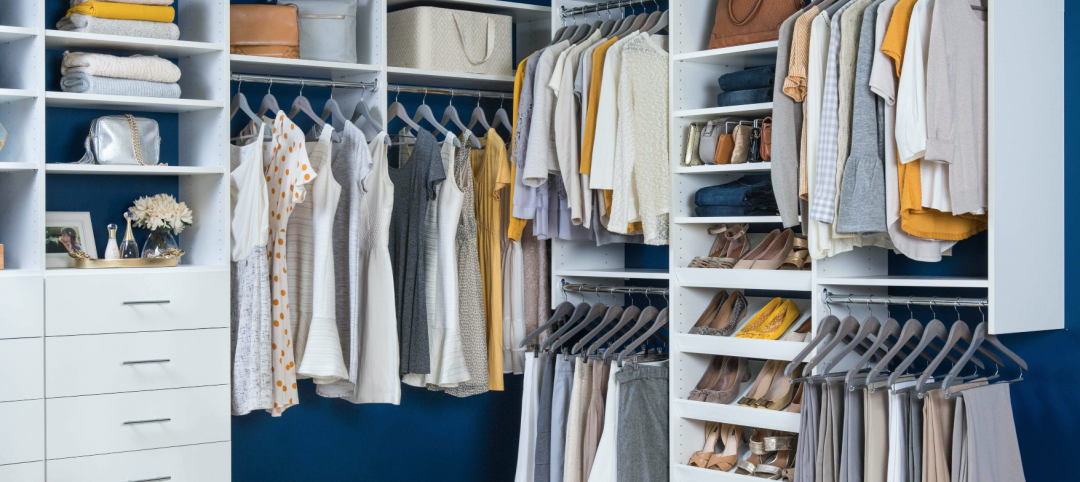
(740, 347)
(724, 168)
(732, 413)
(727, 219)
(907, 281)
(686, 473)
(614, 273)
(90, 169)
(754, 279)
(749, 110)
(63, 40)
(750, 54)
(312, 69)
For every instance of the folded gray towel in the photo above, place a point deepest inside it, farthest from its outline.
(88, 84)
(129, 28)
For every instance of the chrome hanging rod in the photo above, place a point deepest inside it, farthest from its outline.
(488, 94)
(274, 79)
(834, 298)
(568, 12)
(637, 290)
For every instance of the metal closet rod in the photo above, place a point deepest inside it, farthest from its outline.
(489, 94)
(832, 298)
(614, 289)
(567, 12)
(274, 79)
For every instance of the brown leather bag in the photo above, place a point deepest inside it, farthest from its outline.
(766, 139)
(264, 31)
(741, 22)
(724, 147)
(741, 134)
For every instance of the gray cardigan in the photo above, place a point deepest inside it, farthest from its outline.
(786, 125)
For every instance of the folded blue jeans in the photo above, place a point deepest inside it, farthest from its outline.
(743, 97)
(755, 78)
(746, 191)
(725, 211)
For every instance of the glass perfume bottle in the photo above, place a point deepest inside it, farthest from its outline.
(112, 251)
(129, 249)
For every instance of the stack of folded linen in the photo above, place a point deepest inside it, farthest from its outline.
(750, 195)
(750, 86)
(132, 18)
(138, 75)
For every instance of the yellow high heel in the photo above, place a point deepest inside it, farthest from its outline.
(779, 322)
(759, 319)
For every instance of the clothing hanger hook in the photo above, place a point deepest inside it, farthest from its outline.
(302, 84)
(424, 100)
(647, 291)
(452, 91)
(396, 96)
(981, 313)
(478, 97)
(956, 305)
(932, 300)
(333, 85)
(239, 83)
(911, 314)
(271, 85)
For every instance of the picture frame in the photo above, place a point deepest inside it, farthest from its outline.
(64, 231)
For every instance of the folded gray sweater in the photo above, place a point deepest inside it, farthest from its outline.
(128, 28)
(88, 84)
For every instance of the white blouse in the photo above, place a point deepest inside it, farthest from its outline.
(603, 160)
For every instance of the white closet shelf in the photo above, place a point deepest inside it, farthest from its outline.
(441, 78)
(63, 40)
(740, 55)
(617, 273)
(740, 347)
(316, 69)
(91, 169)
(520, 11)
(907, 281)
(732, 413)
(133, 271)
(11, 34)
(123, 102)
(764, 108)
(11, 95)
(18, 166)
(8, 273)
(753, 279)
(727, 219)
(724, 168)
(695, 474)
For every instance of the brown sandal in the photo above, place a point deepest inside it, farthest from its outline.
(799, 259)
(729, 239)
(701, 458)
(724, 461)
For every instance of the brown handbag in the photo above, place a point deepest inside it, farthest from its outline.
(264, 31)
(724, 147)
(741, 22)
(766, 139)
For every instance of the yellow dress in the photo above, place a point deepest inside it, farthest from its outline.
(490, 176)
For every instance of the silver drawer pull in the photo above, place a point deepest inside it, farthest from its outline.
(142, 362)
(152, 420)
(147, 302)
(155, 479)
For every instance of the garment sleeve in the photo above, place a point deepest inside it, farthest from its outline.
(939, 120)
(435, 174)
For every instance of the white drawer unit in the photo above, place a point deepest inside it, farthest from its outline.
(22, 433)
(192, 463)
(28, 472)
(23, 360)
(22, 306)
(130, 362)
(102, 424)
(124, 302)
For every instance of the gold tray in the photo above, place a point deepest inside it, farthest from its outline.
(126, 263)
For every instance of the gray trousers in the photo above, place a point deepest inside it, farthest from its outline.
(643, 424)
(542, 472)
(560, 406)
(984, 446)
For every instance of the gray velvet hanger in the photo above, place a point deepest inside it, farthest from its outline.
(479, 116)
(576, 317)
(424, 112)
(269, 102)
(848, 326)
(934, 329)
(613, 313)
(629, 314)
(661, 321)
(240, 104)
(302, 104)
(582, 32)
(331, 110)
(644, 318)
(608, 26)
(450, 114)
(397, 110)
(562, 311)
(597, 310)
(869, 326)
(959, 331)
(502, 118)
(891, 328)
(631, 23)
(660, 23)
(982, 335)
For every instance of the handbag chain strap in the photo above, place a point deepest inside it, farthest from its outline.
(136, 144)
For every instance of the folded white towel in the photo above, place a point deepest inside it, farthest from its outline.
(163, 3)
(150, 68)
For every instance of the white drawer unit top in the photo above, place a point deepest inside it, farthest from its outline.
(192, 463)
(133, 302)
(102, 424)
(22, 438)
(22, 306)
(129, 362)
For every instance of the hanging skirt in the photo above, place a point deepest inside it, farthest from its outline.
(643, 424)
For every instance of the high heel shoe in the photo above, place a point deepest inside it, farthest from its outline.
(780, 320)
(796, 401)
(799, 259)
(759, 318)
(782, 392)
(707, 316)
(724, 461)
(737, 246)
(701, 458)
(708, 379)
(765, 443)
(801, 333)
(778, 251)
(761, 385)
(717, 247)
(733, 374)
(747, 261)
(729, 315)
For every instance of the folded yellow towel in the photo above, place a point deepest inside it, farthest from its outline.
(124, 11)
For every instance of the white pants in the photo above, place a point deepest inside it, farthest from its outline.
(529, 404)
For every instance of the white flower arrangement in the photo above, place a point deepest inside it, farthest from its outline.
(161, 212)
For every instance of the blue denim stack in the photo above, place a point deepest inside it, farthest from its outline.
(750, 86)
(750, 195)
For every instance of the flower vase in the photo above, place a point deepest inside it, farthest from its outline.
(158, 243)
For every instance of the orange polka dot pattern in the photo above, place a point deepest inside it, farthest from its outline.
(284, 158)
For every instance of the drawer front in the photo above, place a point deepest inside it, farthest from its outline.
(22, 306)
(130, 362)
(28, 472)
(78, 304)
(23, 360)
(23, 436)
(193, 463)
(124, 422)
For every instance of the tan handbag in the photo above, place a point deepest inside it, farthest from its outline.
(724, 147)
(741, 134)
(264, 31)
(741, 22)
(766, 139)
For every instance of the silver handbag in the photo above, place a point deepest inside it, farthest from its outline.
(327, 29)
(117, 140)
